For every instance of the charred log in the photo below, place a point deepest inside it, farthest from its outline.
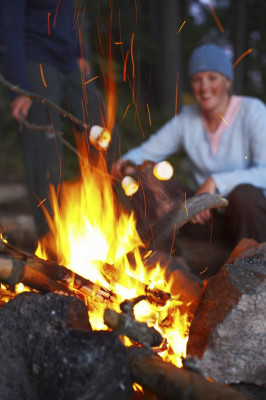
(126, 325)
(43, 275)
(172, 383)
(16, 271)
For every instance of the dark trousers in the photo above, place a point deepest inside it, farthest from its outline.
(244, 217)
(43, 151)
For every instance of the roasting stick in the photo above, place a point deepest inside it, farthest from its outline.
(64, 113)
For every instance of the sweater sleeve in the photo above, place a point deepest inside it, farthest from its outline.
(254, 128)
(160, 145)
(14, 58)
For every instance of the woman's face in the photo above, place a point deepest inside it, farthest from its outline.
(211, 90)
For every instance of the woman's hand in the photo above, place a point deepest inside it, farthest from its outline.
(122, 168)
(20, 107)
(208, 186)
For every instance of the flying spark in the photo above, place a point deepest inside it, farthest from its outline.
(92, 79)
(48, 23)
(242, 56)
(176, 93)
(56, 12)
(41, 202)
(149, 114)
(132, 55)
(125, 68)
(202, 272)
(224, 120)
(215, 16)
(125, 113)
(43, 80)
(181, 27)
(186, 202)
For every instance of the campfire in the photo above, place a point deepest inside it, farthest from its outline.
(98, 305)
(95, 239)
(113, 310)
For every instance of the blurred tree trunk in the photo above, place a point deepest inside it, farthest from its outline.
(165, 20)
(239, 34)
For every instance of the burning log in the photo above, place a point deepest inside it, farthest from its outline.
(229, 323)
(13, 272)
(171, 383)
(125, 325)
(17, 266)
(43, 275)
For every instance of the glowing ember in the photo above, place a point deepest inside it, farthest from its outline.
(163, 171)
(129, 185)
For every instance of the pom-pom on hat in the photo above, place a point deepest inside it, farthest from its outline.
(210, 57)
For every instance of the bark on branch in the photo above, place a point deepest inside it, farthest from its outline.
(173, 383)
(124, 324)
(43, 100)
(181, 214)
(43, 275)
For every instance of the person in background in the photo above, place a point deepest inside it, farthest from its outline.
(43, 54)
(224, 136)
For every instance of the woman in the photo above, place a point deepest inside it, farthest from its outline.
(224, 137)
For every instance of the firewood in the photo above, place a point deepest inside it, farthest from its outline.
(46, 275)
(16, 271)
(124, 324)
(171, 383)
(182, 213)
(49, 273)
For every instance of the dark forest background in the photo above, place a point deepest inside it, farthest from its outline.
(150, 32)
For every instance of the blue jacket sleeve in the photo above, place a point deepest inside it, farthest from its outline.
(160, 145)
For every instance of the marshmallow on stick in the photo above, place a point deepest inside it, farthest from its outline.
(100, 137)
(163, 171)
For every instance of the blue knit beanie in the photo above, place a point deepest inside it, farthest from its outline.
(210, 57)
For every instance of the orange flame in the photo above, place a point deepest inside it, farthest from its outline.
(92, 235)
(90, 229)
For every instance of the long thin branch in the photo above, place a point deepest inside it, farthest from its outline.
(48, 128)
(64, 113)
